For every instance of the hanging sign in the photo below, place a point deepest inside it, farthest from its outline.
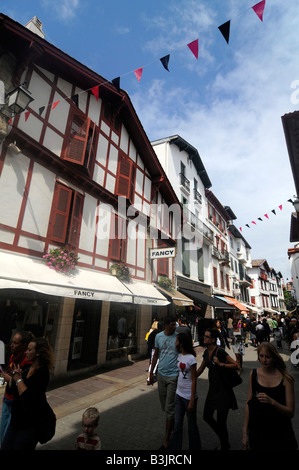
(156, 253)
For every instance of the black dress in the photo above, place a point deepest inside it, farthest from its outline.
(266, 426)
(219, 397)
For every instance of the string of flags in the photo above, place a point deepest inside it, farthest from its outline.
(273, 211)
(193, 47)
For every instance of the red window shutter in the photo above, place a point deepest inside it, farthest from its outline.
(215, 277)
(75, 223)
(124, 178)
(60, 213)
(253, 300)
(117, 243)
(77, 139)
(227, 282)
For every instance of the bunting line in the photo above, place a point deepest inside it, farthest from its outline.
(265, 215)
(193, 46)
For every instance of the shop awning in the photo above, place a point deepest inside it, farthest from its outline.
(144, 293)
(236, 303)
(201, 297)
(176, 297)
(22, 272)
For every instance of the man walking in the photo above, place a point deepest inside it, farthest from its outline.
(166, 352)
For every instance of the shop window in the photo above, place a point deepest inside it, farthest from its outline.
(122, 330)
(80, 141)
(118, 239)
(66, 214)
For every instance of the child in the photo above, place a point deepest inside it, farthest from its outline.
(89, 440)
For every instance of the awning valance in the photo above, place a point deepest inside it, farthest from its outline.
(176, 297)
(23, 272)
(236, 303)
(146, 294)
(201, 297)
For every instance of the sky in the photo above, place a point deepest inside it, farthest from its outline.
(227, 103)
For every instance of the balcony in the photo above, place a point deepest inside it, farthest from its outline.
(223, 257)
(196, 224)
(184, 184)
(197, 196)
(245, 280)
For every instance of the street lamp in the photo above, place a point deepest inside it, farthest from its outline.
(17, 101)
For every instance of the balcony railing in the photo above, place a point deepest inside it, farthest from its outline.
(197, 224)
(185, 182)
(197, 196)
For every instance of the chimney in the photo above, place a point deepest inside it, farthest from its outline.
(36, 26)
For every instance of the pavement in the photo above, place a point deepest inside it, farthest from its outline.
(130, 414)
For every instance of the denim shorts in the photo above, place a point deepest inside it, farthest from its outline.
(167, 388)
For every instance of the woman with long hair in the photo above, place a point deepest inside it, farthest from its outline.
(27, 411)
(270, 404)
(186, 396)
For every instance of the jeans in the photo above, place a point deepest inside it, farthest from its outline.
(5, 417)
(22, 439)
(181, 405)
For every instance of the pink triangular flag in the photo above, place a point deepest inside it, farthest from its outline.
(240, 228)
(266, 215)
(95, 91)
(193, 46)
(280, 207)
(55, 104)
(259, 9)
(27, 114)
(138, 73)
(253, 222)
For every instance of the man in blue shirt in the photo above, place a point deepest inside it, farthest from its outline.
(166, 352)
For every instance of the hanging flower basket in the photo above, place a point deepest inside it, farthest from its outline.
(121, 271)
(166, 283)
(63, 260)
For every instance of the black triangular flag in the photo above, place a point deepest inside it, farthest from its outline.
(260, 219)
(273, 211)
(75, 99)
(41, 110)
(224, 29)
(247, 225)
(290, 200)
(165, 61)
(116, 82)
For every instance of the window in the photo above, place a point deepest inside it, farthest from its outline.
(186, 257)
(80, 141)
(66, 214)
(118, 239)
(162, 263)
(200, 264)
(215, 277)
(125, 178)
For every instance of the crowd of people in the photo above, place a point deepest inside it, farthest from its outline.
(271, 388)
(27, 419)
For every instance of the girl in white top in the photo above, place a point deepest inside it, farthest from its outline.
(186, 396)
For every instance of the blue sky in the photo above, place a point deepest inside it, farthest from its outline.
(228, 103)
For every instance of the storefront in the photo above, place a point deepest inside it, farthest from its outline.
(89, 317)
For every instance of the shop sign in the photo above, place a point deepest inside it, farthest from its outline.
(156, 253)
(83, 293)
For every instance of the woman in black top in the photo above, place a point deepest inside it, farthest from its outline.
(270, 406)
(220, 397)
(32, 383)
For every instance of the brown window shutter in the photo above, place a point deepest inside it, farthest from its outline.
(77, 140)
(75, 224)
(215, 277)
(60, 213)
(123, 183)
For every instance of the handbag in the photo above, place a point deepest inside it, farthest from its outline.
(47, 424)
(229, 376)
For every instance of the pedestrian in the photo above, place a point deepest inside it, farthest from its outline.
(220, 397)
(27, 413)
(222, 340)
(229, 326)
(267, 330)
(186, 396)
(167, 376)
(18, 356)
(277, 337)
(270, 404)
(89, 439)
(259, 333)
(151, 345)
(237, 343)
(183, 327)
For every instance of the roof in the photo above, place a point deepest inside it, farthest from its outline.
(28, 47)
(258, 262)
(217, 204)
(193, 155)
(237, 234)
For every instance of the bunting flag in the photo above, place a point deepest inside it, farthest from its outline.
(75, 99)
(193, 46)
(138, 73)
(95, 91)
(165, 61)
(225, 30)
(266, 215)
(27, 114)
(116, 83)
(259, 9)
(55, 104)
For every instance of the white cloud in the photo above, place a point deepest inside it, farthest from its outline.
(65, 9)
